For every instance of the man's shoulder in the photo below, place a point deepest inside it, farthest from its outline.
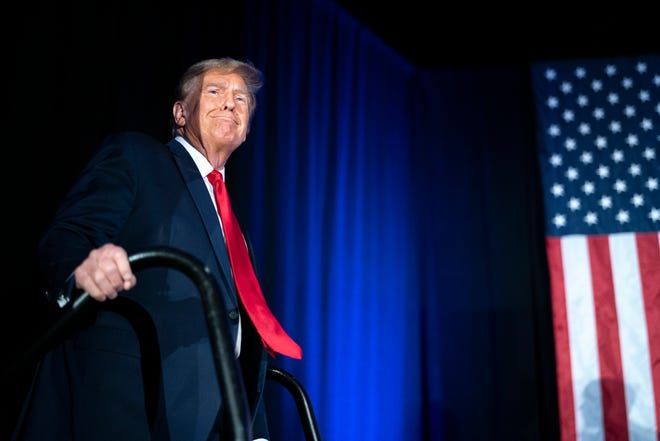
(131, 137)
(132, 146)
(132, 143)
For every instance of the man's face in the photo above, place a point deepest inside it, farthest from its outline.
(221, 117)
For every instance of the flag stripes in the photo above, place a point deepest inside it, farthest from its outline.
(605, 314)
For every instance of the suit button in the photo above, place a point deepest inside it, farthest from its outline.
(233, 315)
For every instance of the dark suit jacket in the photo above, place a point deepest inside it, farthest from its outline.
(142, 367)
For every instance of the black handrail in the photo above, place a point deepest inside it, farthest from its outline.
(303, 404)
(229, 375)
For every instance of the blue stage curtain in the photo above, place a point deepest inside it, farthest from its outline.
(326, 170)
(395, 215)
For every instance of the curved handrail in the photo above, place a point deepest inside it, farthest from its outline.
(226, 365)
(303, 404)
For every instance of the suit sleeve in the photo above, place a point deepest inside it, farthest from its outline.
(91, 214)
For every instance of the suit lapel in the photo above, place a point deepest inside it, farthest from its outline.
(200, 196)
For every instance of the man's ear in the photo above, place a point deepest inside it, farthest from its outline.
(179, 114)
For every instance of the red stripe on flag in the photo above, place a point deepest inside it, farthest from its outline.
(562, 350)
(648, 250)
(615, 420)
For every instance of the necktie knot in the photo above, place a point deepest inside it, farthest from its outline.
(215, 178)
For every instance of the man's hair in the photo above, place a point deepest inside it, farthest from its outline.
(190, 82)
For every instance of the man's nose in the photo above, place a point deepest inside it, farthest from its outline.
(229, 103)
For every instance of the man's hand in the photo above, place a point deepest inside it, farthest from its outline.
(105, 273)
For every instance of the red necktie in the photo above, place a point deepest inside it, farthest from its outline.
(272, 334)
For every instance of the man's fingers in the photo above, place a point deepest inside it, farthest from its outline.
(105, 272)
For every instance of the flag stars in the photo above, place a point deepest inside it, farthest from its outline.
(603, 171)
(557, 190)
(559, 220)
(605, 202)
(648, 153)
(568, 115)
(591, 218)
(586, 158)
(588, 188)
(646, 124)
(555, 160)
(654, 215)
(634, 169)
(572, 174)
(620, 186)
(550, 74)
(601, 142)
(622, 217)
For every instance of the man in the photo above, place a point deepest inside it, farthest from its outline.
(142, 367)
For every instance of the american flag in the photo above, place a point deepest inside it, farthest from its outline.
(598, 127)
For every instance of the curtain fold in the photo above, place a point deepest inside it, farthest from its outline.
(332, 139)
